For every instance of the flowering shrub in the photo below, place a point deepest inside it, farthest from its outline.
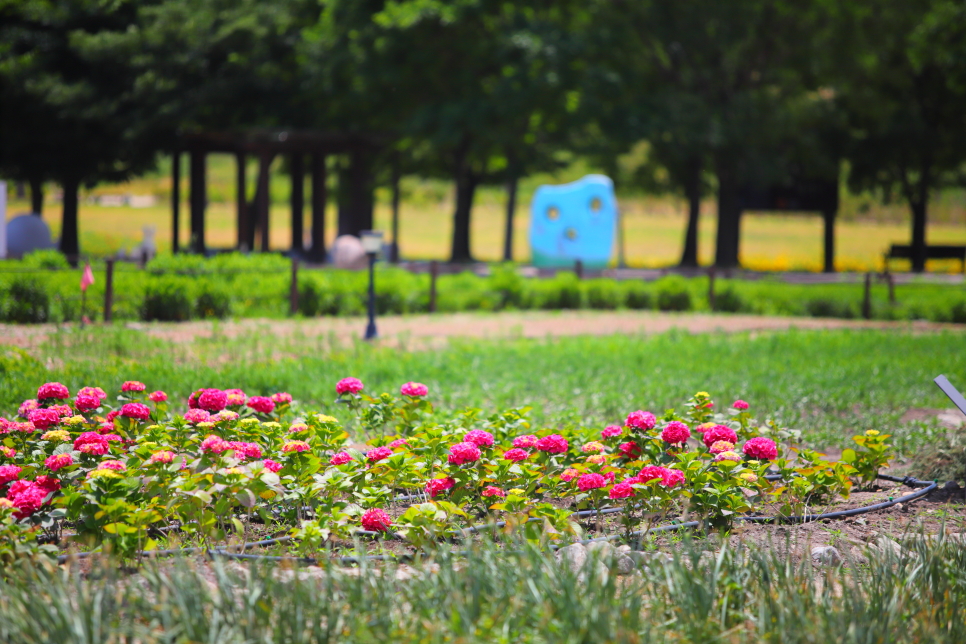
(113, 474)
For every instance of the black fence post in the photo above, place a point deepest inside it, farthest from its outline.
(579, 269)
(433, 272)
(711, 287)
(293, 294)
(109, 291)
(867, 298)
(890, 280)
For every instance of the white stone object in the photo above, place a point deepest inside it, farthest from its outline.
(347, 252)
(27, 233)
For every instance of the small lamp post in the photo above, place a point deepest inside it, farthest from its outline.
(372, 245)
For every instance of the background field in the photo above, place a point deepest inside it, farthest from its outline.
(830, 384)
(654, 225)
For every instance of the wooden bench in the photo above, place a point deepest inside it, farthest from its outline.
(897, 251)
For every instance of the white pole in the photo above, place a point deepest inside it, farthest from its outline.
(3, 219)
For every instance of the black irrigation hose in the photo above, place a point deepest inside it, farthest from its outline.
(928, 487)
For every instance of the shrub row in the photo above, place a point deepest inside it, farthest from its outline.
(187, 287)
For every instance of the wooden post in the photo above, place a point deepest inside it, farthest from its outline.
(867, 298)
(109, 291)
(198, 198)
(297, 168)
(579, 269)
(293, 293)
(175, 200)
(394, 258)
(829, 216)
(241, 205)
(264, 201)
(318, 207)
(711, 287)
(433, 272)
(892, 287)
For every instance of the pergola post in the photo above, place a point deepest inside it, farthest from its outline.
(297, 168)
(263, 201)
(175, 200)
(829, 217)
(198, 198)
(241, 206)
(317, 252)
(395, 209)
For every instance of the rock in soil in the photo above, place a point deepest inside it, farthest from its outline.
(823, 556)
(573, 556)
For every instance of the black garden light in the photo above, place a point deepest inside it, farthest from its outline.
(372, 245)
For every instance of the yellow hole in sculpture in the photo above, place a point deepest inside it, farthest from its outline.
(553, 213)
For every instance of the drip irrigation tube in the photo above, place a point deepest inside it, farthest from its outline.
(927, 488)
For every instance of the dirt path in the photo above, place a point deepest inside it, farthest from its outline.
(427, 329)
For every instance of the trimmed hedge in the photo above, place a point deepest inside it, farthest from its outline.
(41, 288)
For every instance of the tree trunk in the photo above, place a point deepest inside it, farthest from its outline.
(466, 182)
(356, 193)
(511, 206)
(918, 235)
(37, 197)
(692, 190)
(729, 217)
(69, 242)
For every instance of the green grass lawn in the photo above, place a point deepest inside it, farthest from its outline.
(830, 384)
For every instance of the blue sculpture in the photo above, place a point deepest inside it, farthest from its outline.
(573, 221)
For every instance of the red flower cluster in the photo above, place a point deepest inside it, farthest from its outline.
(641, 420)
(86, 402)
(27, 497)
(51, 390)
(281, 398)
(622, 490)
(667, 476)
(340, 459)
(761, 448)
(349, 386)
(553, 444)
(236, 397)
(675, 432)
(629, 450)
(492, 490)
(44, 418)
(271, 465)
(212, 399)
(720, 433)
(137, 411)
(740, 405)
(438, 486)
(479, 438)
(526, 441)
(376, 520)
(92, 391)
(195, 416)
(378, 454)
(261, 404)
(516, 455)
(414, 389)
(612, 431)
(133, 385)
(58, 461)
(91, 443)
(463, 453)
(591, 482)
(157, 396)
(9, 473)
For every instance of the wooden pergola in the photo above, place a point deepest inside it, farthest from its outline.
(253, 218)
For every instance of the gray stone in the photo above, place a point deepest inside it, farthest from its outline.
(604, 550)
(573, 556)
(886, 545)
(625, 565)
(624, 548)
(826, 556)
(26, 233)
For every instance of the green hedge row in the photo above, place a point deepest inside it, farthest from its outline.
(42, 288)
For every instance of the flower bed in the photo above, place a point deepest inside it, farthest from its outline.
(119, 473)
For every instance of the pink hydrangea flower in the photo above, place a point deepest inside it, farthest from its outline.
(236, 397)
(492, 490)
(592, 447)
(414, 389)
(162, 457)
(117, 466)
(157, 396)
(479, 438)
(295, 446)
(295, 428)
(195, 416)
(62, 410)
(438, 486)
(526, 441)
(92, 391)
(399, 442)
(224, 415)
(376, 520)
(271, 465)
(629, 450)
(91, 443)
(340, 459)
(52, 390)
(261, 404)
(137, 411)
(721, 446)
(27, 498)
(215, 444)
(569, 474)
(761, 448)
(24, 428)
(9, 473)
(378, 454)
(47, 483)
(58, 461)
(212, 399)
(597, 459)
(640, 420)
(111, 415)
(719, 433)
(621, 491)
(740, 405)
(672, 477)
(112, 438)
(248, 450)
(7, 452)
(733, 457)
(281, 398)
(516, 455)
(26, 407)
(133, 386)
(675, 432)
(464, 453)
(86, 403)
(349, 386)
(591, 482)
(611, 431)
(44, 418)
(650, 472)
(553, 444)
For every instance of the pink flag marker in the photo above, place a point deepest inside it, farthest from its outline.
(87, 278)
